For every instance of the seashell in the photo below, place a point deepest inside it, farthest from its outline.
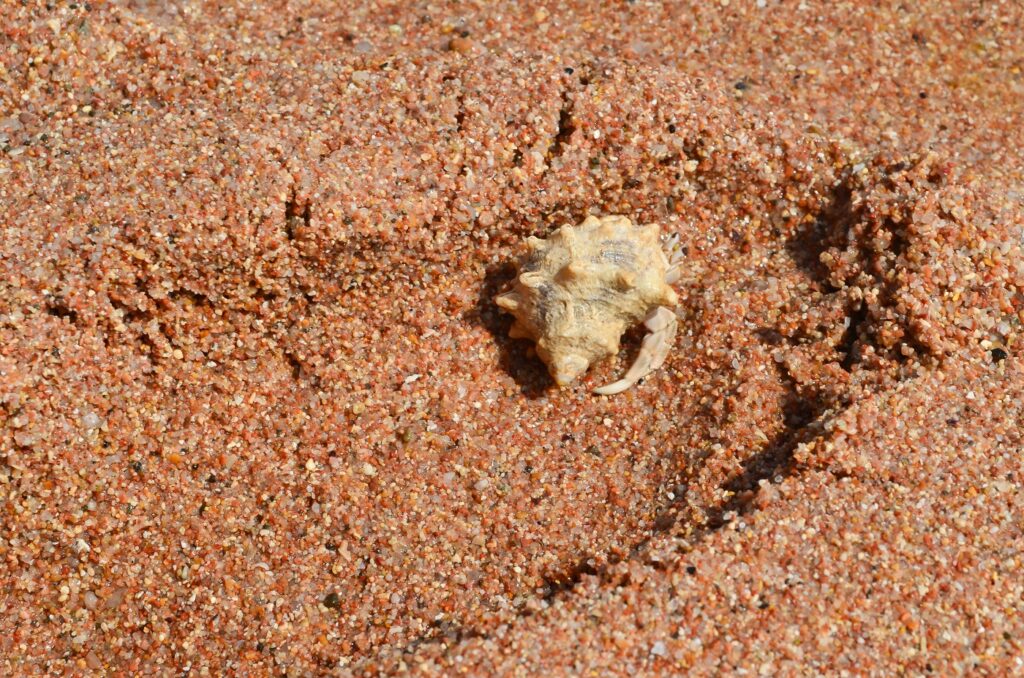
(578, 291)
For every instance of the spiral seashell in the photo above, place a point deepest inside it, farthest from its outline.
(578, 291)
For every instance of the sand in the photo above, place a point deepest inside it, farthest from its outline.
(260, 416)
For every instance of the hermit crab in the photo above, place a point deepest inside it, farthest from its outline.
(579, 290)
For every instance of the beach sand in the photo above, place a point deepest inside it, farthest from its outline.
(260, 416)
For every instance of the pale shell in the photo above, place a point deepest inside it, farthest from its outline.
(578, 291)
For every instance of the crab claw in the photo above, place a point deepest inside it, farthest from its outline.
(662, 325)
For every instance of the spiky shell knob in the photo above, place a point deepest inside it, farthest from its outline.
(578, 291)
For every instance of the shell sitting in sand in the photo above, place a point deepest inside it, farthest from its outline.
(578, 291)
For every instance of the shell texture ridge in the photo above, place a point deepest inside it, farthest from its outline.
(579, 290)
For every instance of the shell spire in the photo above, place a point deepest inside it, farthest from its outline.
(569, 240)
(535, 243)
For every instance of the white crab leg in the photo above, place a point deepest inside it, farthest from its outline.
(675, 258)
(653, 351)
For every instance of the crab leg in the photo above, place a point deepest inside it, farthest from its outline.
(675, 259)
(662, 325)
